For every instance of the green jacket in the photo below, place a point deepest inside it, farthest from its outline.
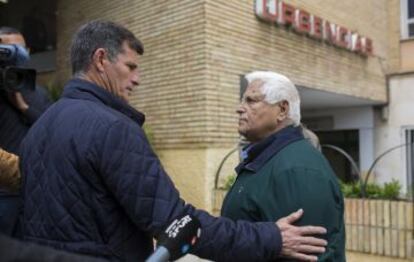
(286, 174)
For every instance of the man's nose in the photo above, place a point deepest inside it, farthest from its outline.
(240, 109)
(136, 79)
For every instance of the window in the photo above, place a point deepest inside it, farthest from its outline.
(348, 141)
(409, 138)
(407, 19)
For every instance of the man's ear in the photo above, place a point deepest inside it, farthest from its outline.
(284, 110)
(98, 59)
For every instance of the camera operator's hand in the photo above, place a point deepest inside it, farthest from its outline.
(17, 100)
(298, 242)
(9, 171)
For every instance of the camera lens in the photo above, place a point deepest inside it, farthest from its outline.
(14, 79)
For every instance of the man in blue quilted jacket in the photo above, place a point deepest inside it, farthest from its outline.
(93, 185)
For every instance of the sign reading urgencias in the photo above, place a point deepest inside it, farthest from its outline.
(278, 12)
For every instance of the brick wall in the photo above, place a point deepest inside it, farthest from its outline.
(394, 33)
(237, 42)
(172, 93)
(196, 51)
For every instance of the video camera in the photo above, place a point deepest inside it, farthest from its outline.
(14, 77)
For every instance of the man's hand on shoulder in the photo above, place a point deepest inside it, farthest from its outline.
(17, 99)
(298, 242)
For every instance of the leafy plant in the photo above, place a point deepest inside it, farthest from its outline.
(390, 190)
(55, 92)
(350, 190)
(374, 191)
(229, 182)
(54, 89)
(148, 133)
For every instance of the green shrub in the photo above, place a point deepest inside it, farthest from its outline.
(54, 90)
(148, 133)
(373, 191)
(229, 182)
(350, 190)
(390, 190)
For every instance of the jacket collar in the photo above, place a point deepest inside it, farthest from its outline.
(259, 153)
(82, 89)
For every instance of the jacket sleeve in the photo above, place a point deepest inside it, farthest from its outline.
(135, 176)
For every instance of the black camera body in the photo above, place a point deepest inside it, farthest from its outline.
(14, 77)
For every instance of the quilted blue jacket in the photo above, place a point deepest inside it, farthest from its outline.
(93, 185)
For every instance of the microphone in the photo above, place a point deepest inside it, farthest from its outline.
(177, 239)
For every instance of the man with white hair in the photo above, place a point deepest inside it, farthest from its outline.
(281, 171)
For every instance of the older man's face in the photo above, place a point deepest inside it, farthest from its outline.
(257, 118)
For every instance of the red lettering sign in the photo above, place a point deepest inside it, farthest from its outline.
(342, 37)
(303, 21)
(317, 27)
(276, 11)
(287, 14)
(356, 43)
(368, 48)
(270, 10)
(329, 32)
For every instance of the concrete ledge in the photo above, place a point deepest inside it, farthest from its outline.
(358, 257)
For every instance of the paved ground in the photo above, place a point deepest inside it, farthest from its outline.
(350, 257)
(358, 257)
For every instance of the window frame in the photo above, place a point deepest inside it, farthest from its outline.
(405, 21)
(409, 157)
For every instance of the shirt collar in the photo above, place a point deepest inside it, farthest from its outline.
(259, 153)
(83, 89)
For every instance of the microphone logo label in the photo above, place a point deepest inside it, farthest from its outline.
(173, 230)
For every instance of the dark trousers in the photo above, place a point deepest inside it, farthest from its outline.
(10, 206)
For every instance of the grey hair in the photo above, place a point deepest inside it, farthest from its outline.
(100, 34)
(311, 137)
(276, 88)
